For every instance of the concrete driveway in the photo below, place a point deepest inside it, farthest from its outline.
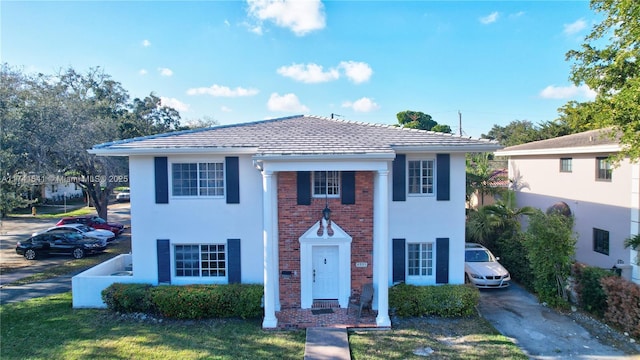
(542, 332)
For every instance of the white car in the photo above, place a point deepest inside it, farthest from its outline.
(482, 269)
(104, 235)
(123, 196)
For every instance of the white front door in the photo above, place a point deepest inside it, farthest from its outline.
(325, 272)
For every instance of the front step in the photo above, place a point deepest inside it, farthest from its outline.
(325, 304)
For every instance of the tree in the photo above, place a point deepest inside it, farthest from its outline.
(550, 244)
(609, 63)
(419, 120)
(147, 117)
(481, 176)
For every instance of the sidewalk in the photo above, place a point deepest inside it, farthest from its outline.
(327, 344)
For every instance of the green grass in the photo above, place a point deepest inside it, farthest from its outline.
(56, 214)
(48, 328)
(451, 338)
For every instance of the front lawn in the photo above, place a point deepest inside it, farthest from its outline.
(48, 328)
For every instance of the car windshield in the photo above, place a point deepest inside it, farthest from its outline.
(479, 255)
(84, 228)
(99, 220)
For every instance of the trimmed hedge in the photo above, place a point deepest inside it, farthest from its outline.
(186, 302)
(442, 300)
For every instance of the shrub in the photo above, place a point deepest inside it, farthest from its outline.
(128, 298)
(592, 297)
(512, 253)
(623, 304)
(186, 302)
(442, 300)
(550, 244)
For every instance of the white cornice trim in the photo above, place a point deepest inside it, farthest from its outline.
(610, 148)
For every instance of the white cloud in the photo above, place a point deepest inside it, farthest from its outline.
(146, 43)
(143, 72)
(225, 109)
(300, 17)
(567, 92)
(357, 72)
(362, 105)
(227, 23)
(309, 73)
(174, 103)
(491, 18)
(575, 27)
(165, 71)
(287, 102)
(517, 15)
(222, 91)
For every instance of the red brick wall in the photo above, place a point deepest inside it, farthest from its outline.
(294, 220)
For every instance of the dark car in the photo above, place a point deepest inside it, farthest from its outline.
(63, 243)
(93, 221)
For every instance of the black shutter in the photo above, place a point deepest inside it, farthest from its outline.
(399, 259)
(348, 179)
(162, 180)
(399, 178)
(164, 261)
(233, 264)
(304, 187)
(232, 179)
(443, 172)
(442, 260)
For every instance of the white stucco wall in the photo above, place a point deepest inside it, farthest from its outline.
(604, 205)
(194, 220)
(423, 219)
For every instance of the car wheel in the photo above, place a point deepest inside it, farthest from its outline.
(30, 254)
(78, 253)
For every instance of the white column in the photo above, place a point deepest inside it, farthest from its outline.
(381, 245)
(268, 235)
(635, 220)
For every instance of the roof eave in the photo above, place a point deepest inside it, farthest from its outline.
(171, 151)
(609, 148)
(338, 156)
(450, 148)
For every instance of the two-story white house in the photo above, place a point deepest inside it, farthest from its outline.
(310, 207)
(604, 200)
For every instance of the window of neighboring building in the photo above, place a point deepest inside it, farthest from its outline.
(601, 241)
(566, 165)
(201, 260)
(197, 179)
(603, 169)
(420, 259)
(421, 176)
(326, 183)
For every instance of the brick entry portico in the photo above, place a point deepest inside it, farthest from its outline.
(339, 318)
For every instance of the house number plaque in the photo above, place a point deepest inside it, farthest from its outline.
(361, 264)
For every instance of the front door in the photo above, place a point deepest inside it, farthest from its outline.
(325, 272)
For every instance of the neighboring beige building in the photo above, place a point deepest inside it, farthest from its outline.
(604, 200)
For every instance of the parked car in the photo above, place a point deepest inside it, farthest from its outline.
(482, 269)
(93, 221)
(123, 196)
(64, 243)
(82, 229)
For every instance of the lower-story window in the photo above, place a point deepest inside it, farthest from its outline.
(420, 259)
(601, 241)
(201, 260)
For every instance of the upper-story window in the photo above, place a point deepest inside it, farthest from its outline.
(197, 179)
(326, 183)
(421, 176)
(566, 164)
(603, 169)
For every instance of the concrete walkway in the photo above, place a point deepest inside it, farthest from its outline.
(327, 344)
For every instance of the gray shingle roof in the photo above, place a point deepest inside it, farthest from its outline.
(300, 135)
(583, 139)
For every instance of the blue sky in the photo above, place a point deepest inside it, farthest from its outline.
(239, 61)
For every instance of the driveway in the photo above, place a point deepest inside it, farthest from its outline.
(542, 332)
